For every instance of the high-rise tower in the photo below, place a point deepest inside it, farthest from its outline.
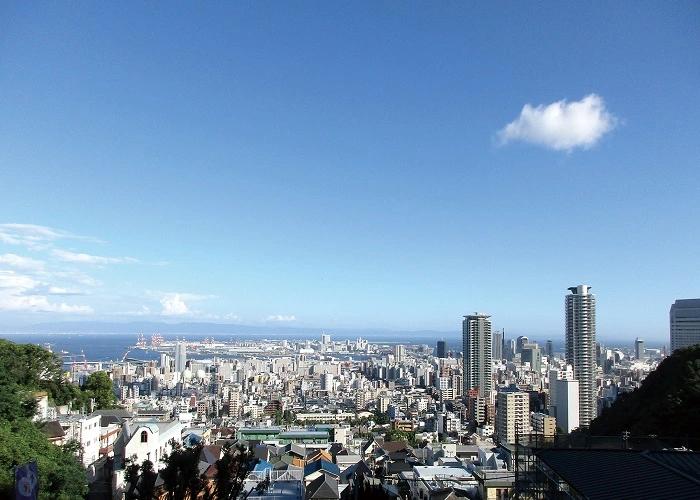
(685, 323)
(180, 356)
(580, 348)
(639, 349)
(441, 349)
(476, 343)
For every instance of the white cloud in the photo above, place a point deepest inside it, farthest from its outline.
(145, 311)
(38, 303)
(280, 318)
(174, 305)
(34, 236)
(20, 262)
(10, 280)
(77, 277)
(561, 125)
(84, 258)
(23, 293)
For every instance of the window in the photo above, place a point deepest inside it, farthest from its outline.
(144, 437)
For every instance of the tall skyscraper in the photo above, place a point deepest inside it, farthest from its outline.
(685, 323)
(441, 349)
(581, 348)
(180, 357)
(497, 346)
(476, 346)
(550, 350)
(639, 349)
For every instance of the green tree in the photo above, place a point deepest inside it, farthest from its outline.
(26, 369)
(399, 435)
(181, 478)
(61, 475)
(100, 387)
(231, 470)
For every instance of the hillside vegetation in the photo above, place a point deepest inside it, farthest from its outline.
(667, 403)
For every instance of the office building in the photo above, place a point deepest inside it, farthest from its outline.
(639, 349)
(476, 346)
(532, 354)
(550, 351)
(685, 323)
(180, 357)
(497, 346)
(513, 414)
(441, 349)
(521, 342)
(581, 349)
(400, 353)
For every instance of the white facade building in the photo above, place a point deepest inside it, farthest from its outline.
(684, 319)
(85, 430)
(476, 346)
(150, 441)
(581, 349)
(180, 357)
(567, 404)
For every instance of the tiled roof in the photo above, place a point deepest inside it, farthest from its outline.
(317, 465)
(617, 474)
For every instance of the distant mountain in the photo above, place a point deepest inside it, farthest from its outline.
(666, 404)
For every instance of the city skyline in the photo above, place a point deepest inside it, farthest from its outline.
(284, 165)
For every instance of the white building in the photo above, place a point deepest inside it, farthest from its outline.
(567, 404)
(685, 323)
(150, 440)
(581, 349)
(180, 357)
(85, 430)
(476, 346)
(513, 414)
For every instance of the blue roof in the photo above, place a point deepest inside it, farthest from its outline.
(317, 465)
(262, 465)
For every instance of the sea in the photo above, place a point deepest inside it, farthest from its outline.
(105, 347)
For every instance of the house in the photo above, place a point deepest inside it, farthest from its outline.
(141, 441)
(324, 487)
(439, 482)
(314, 469)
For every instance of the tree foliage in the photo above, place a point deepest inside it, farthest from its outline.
(61, 475)
(399, 435)
(666, 404)
(26, 369)
(100, 387)
(231, 470)
(180, 474)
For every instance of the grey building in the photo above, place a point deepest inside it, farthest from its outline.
(639, 349)
(581, 348)
(476, 343)
(685, 323)
(497, 346)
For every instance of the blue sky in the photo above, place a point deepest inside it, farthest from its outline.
(357, 165)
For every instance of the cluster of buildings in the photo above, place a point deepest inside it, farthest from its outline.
(315, 412)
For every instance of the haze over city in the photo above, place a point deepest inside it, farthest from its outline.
(354, 166)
